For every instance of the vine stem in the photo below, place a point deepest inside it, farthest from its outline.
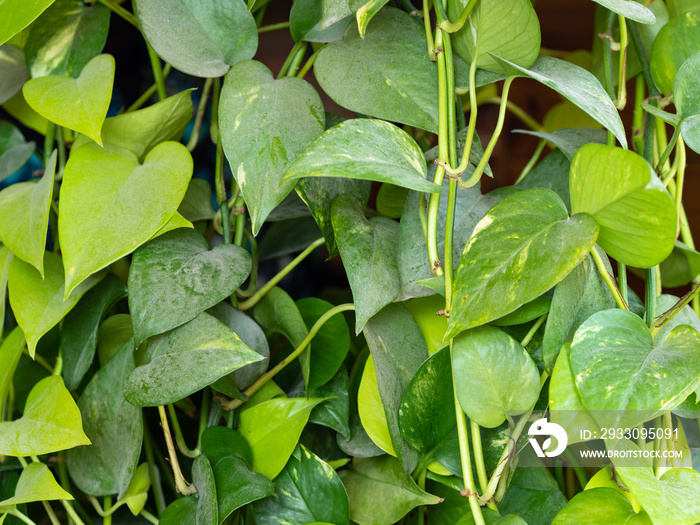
(119, 10)
(428, 30)
(650, 295)
(179, 438)
(149, 92)
(157, 72)
(452, 27)
(622, 73)
(269, 285)
(182, 486)
(533, 330)
(153, 471)
(609, 280)
(273, 27)
(309, 63)
(201, 110)
(235, 403)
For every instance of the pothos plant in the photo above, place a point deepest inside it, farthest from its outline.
(137, 328)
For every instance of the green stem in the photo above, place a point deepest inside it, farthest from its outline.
(533, 330)
(153, 471)
(578, 469)
(450, 156)
(119, 10)
(107, 507)
(253, 284)
(149, 517)
(273, 27)
(310, 62)
(533, 160)
(428, 29)
(58, 368)
(149, 92)
(255, 298)
(650, 295)
(622, 77)
(296, 60)
(671, 312)
(214, 123)
(71, 512)
(48, 141)
(290, 57)
(61, 152)
(669, 147)
(607, 57)
(179, 438)
(452, 27)
(50, 512)
(157, 72)
(199, 117)
(638, 115)
(17, 514)
(235, 403)
(221, 191)
(479, 456)
(609, 280)
(622, 280)
(182, 486)
(473, 107)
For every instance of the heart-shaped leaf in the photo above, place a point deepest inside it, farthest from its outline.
(494, 376)
(308, 490)
(24, 216)
(365, 149)
(577, 85)
(115, 428)
(263, 134)
(200, 39)
(105, 210)
(600, 505)
(613, 351)
(14, 150)
(521, 248)
(79, 104)
(39, 304)
(368, 249)
(80, 327)
(507, 28)
(203, 477)
(687, 101)
(272, 430)
(13, 71)
(636, 215)
(16, 15)
(186, 360)
(66, 52)
(36, 483)
(50, 422)
(175, 277)
(677, 41)
(381, 479)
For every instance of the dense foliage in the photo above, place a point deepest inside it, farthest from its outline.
(131, 262)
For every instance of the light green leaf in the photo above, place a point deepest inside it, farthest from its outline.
(265, 123)
(17, 14)
(272, 430)
(681, 267)
(136, 493)
(14, 150)
(677, 41)
(507, 28)
(371, 411)
(494, 376)
(577, 85)
(203, 39)
(50, 422)
(630, 10)
(175, 277)
(115, 428)
(39, 304)
(66, 37)
(636, 215)
(6, 257)
(368, 249)
(380, 492)
(106, 210)
(687, 100)
(364, 11)
(364, 149)
(13, 71)
(186, 360)
(36, 483)
(600, 505)
(521, 248)
(618, 368)
(10, 352)
(79, 104)
(24, 216)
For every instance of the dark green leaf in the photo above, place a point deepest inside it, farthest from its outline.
(183, 510)
(333, 11)
(288, 237)
(13, 71)
(335, 412)
(278, 313)
(203, 477)
(200, 39)
(526, 313)
(112, 334)
(552, 173)
(10, 352)
(686, 315)
(681, 267)
(677, 41)
(533, 495)
(263, 133)
(196, 205)
(115, 428)
(14, 150)
(305, 21)
(522, 247)
(569, 141)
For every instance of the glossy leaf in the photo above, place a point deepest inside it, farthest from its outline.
(427, 411)
(600, 505)
(278, 313)
(494, 376)
(381, 75)
(630, 10)
(36, 483)
(17, 15)
(581, 294)
(230, 458)
(364, 149)
(105, 213)
(115, 428)
(136, 493)
(66, 51)
(569, 141)
(686, 99)
(636, 215)
(526, 313)
(24, 216)
(681, 267)
(507, 28)
(14, 150)
(371, 411)
(200, 39)
(534, 495)
(182, 510)
(677, 41)
(38, 304)
(335, 412)
(50, 422)
(577, 85)
(186, 360)
(398, 349)
(79, 104)
(80, 328)
(643, 376)
(272, 429)
(175, 277)
(263, 134)
(373, 480)
(203, 476)
(368, 249)
(13, 71)
(307, 490)
(521, 248)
